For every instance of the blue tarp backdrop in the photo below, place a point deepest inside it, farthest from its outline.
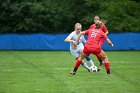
(121, 41)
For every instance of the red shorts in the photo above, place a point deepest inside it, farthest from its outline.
(88, 50)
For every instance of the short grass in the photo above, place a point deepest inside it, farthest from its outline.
(49, 72)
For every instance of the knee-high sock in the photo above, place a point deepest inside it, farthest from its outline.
(77, 64)
(85, 65)
(89, 61)
(107, 65)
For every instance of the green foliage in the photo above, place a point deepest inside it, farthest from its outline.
(124, 15)
(59, 16)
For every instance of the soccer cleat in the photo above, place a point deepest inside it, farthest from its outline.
(72, 73)
(98, 69)
(88, 70)
(108, 72)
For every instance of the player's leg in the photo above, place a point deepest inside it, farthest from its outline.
(100, 60)
(76, 55)
(91, 63)
(106, 62)
(77, 64)
(87, 51)
(84, 65)
(89, 60)
(79, 51)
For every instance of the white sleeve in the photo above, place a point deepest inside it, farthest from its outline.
(70, 35)
(83, 39)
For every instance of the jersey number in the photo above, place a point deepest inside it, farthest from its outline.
(93, 35)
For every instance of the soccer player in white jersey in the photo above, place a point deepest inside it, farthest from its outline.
(76, 50)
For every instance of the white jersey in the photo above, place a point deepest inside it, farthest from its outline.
(76, 51)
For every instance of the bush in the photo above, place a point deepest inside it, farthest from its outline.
(59, 16)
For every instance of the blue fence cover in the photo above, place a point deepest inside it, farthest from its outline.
(121, 41)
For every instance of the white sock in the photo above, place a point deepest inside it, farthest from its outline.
(85, 66)
(91, 63)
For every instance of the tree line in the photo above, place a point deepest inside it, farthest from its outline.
(59, 16)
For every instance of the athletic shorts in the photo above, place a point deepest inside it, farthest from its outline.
(76, 52)
(88, 50)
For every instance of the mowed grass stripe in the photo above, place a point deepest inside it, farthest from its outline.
(52, 68)
(46, 73)
(36, 69)
(126, 68)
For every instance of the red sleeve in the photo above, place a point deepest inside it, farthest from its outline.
(104, 29)
(86, 32)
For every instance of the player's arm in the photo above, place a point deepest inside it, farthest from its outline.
(109, 42)
(107, 39)
(79, 35)
(69, 38)
(84, 40)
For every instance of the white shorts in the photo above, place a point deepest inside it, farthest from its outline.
(76, 52)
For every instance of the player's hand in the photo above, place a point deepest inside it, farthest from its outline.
(112, 45)
(74, 44)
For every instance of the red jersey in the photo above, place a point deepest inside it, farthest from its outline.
(94, 37)
(103, 27)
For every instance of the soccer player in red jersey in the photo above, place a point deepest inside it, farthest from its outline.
(104, 29)
(92, 46)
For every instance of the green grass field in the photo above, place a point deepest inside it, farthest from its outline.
(49, 72)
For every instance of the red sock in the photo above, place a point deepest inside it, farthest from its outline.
(107, 65)
(77, 64)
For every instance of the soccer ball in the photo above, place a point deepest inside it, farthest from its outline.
(93, 69)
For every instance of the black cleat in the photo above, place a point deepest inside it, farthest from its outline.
(88, 70)
(108, 72)
(98, 69)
